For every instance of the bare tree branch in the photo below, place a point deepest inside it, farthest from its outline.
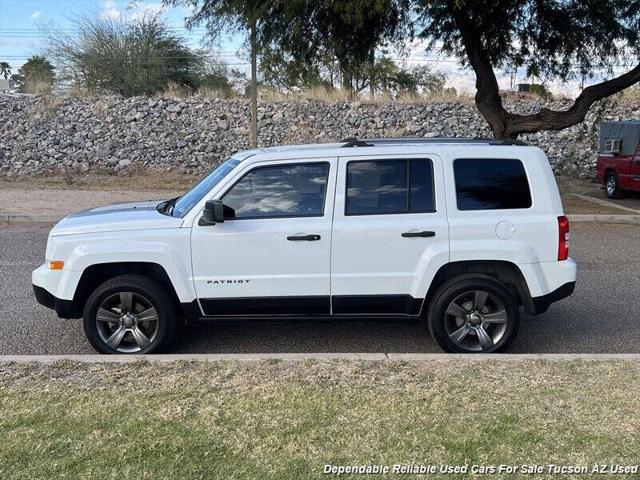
(547, 119)
(504, 124)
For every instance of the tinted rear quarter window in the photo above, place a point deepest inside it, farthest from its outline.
(491, 184)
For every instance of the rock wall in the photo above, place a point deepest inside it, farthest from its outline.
(118, 135)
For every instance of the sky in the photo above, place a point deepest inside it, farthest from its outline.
(22, 21)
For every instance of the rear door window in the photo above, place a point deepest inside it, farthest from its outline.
(491, 184)
(379, 187)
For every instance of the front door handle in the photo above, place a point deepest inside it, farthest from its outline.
(303, 238)
(423, 234)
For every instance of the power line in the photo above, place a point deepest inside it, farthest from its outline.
(216, 55)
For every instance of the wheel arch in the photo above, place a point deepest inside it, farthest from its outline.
(96, 274)
(504, 271)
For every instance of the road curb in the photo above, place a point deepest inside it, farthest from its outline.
(253, 357)
(9, 219)
(605, 203)
(610, 219)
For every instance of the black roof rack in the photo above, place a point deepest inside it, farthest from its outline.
(370, 142)
(354, 142)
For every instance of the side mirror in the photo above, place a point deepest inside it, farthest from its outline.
(213, 213)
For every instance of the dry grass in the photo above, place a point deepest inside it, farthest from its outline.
(315, 93)
(327, 95)
(286, 420)
(37, 87)
(174, 90)
(45, 109)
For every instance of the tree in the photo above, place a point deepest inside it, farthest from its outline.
(35, 76)
(129, 58)
(279, 71)
(5, 70)
(302, 32)
(550, 38)
(215, 76)
(387, 77)
(221, 16)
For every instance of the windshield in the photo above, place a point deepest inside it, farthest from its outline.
(193, 196)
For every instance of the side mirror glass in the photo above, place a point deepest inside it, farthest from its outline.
(213, 213)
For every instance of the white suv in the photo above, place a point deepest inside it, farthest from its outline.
(460, 233)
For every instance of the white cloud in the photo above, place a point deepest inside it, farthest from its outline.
(133, 11)
(109, 11)
(37, 14)
(142, 9)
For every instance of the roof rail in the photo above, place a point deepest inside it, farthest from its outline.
(354, 142)
(370, 142)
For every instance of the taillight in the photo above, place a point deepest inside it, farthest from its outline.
(563, 243)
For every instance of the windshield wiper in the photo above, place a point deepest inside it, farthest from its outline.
(166, 208)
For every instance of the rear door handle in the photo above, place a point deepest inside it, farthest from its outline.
(423, 234)
(303, 238)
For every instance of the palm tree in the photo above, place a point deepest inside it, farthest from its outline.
(5, 70)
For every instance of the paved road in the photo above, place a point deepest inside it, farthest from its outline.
(603, 315)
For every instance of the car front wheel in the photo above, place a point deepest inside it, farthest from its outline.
(473, 315)
(129, 314)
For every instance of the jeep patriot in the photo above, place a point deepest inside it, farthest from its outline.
(460, 234)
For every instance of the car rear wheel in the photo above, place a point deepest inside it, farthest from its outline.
(611, 187)
(473, 315)
(129, 314)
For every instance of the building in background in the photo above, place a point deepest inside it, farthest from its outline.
(7, 86)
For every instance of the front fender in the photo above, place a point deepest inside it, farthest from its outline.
(168, 248)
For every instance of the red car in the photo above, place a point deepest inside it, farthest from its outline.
(619, 157)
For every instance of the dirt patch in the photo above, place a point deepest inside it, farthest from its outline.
(578, 206)
(57, 202)
(150, 180)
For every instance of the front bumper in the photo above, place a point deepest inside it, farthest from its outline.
(63, 308)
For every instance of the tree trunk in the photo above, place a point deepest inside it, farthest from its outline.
(504, 124)
(254, 85)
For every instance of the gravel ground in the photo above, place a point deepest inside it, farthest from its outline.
(601, 317)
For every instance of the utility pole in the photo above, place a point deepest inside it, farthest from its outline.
(372, 77)
(254, 83)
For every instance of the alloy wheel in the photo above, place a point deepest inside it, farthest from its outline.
(127, 322)
(476, 320)
(611, 185)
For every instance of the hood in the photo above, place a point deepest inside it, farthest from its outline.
(119, 217)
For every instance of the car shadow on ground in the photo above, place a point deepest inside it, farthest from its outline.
(546, 333)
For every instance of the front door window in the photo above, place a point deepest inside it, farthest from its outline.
(278, 191)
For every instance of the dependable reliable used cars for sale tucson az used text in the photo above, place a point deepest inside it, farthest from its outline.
(458, 233)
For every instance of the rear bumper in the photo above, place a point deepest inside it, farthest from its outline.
(63, 308)
(541, 304)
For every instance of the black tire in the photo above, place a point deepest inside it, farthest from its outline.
(443, 325)
(611, 186)
(144, 290)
